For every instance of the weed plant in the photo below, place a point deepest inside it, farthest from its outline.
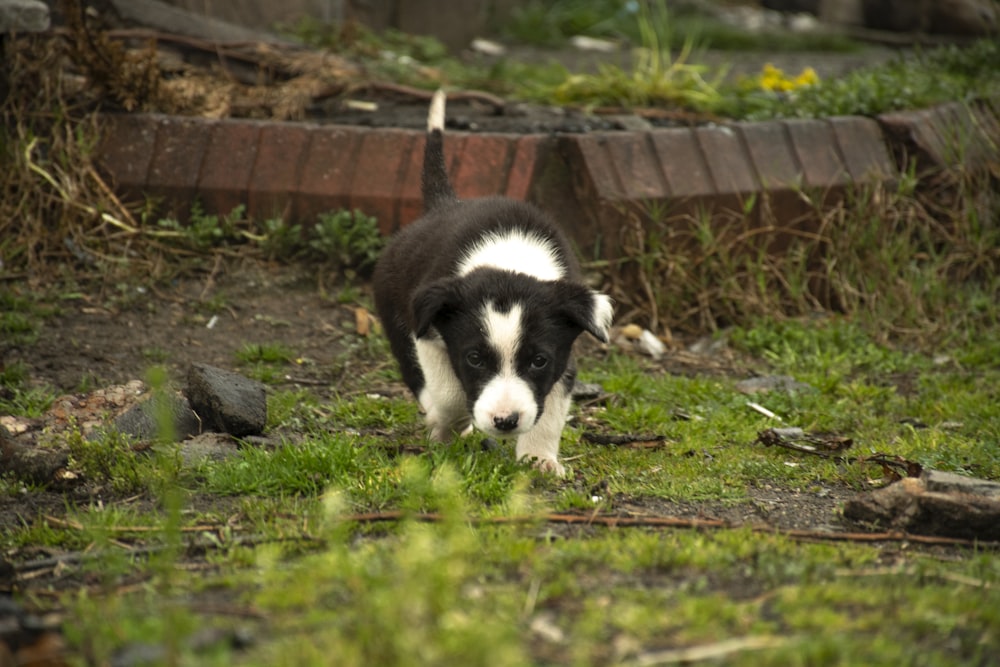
(657, 77)
(882, 254)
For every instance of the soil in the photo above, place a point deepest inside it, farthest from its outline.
(112, 337)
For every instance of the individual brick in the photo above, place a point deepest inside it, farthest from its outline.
(224, 181)
(483, 166)
(637, 166)
(411, 202)
(863, 148)
(524, 165)
(181, 144)
(815, 146)
(772, 155)
(379, 171)
(683, 164)
(728, 162)
(915, 138)
(597, 174)
(125, 151)
(280, 151)
(327, 170)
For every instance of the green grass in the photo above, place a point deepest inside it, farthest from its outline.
(21, 318)
(451, 593)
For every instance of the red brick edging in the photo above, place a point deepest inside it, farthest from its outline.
(589, 181)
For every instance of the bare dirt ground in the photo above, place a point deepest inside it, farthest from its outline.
(114, 335)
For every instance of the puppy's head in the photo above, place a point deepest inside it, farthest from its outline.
(509, 338)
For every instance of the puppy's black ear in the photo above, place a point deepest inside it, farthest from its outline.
(433, 303)
(589, 310)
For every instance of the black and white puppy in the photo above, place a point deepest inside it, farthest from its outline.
(481, 300)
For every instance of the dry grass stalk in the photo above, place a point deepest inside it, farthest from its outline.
(904, 257)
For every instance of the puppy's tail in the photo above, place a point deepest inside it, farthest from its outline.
(437, 188)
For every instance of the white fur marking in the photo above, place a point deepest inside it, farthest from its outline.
(435, 116)
(542, 442)
(507, 393)
(503, 331)
(514, 250)
(604, 312)
(442, 397)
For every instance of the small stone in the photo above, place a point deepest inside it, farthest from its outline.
(23, 16)
(227, 401)
(586, 391)
(27, 462)
(629, 122)
(141, 421)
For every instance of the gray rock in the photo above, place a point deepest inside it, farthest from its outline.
(29, 463)
(585, 391)
(141, 421)
(227, 401)
(629, 122)
(23, 16)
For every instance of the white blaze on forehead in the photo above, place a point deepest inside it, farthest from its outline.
(503, 331)
(514, 250)
(506, 393)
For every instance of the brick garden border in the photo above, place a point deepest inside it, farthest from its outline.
(591, 182)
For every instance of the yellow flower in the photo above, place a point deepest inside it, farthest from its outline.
(807, 77)
(774, 80)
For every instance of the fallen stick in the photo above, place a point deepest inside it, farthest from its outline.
(676, 522)
(567, 519)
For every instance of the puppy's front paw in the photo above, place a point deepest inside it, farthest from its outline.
(549, 466)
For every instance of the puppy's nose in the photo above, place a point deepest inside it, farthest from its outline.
(506, 423)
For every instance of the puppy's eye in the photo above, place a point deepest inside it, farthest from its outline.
(475, 359)
(539, 361)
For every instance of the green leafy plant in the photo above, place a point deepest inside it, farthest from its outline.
(281, 240)
(350, 240)
(206, 230)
